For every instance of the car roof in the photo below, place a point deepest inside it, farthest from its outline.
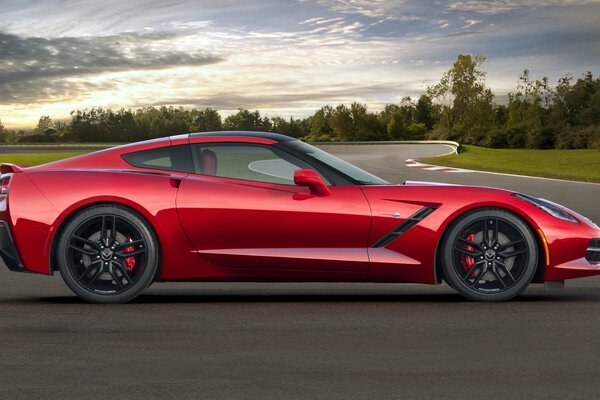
(266, 135)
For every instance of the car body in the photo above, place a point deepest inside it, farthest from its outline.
(251, 206)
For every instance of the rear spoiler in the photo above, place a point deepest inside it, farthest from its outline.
(11, 168)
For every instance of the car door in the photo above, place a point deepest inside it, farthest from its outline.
(244, 214)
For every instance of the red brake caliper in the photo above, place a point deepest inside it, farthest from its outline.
(467, 262)
(129, 261)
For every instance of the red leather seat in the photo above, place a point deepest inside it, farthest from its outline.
(209, 162)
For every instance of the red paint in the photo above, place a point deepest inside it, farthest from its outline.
(312, 180)
(222, 229)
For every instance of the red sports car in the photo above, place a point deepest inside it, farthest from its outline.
(248, 206)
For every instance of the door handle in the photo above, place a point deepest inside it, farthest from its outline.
(394, 214)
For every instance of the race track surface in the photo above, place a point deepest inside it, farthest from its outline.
(309, 341)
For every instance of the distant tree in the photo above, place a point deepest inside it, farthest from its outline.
(355, 123)
(245, 120)
(424, 111)
(528, 109)
(396, 127)
(207, 120)
(466, 103)
(341, 123)
(576, 104)
(319, 127)
(45, 129)
(292, 127)
(85, 125)
(528, 103)
(501, 114)
(3, 133)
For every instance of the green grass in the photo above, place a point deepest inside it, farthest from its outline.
(579, 165)
(31, 159)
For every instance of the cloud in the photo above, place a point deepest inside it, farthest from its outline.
(290, 96)
(380, 9)
(37, 69)
(280, 57)
(503, 6)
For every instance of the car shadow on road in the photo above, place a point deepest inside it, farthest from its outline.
(190, 298)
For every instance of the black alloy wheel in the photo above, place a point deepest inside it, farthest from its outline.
(107, 254)
(489, 255)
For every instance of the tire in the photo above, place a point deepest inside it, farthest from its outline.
(107, 254)
(489, 255)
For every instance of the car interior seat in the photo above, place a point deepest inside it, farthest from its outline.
(209, 162)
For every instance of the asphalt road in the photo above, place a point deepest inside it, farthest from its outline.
(309, 341)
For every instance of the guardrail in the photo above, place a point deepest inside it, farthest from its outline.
(457, 146)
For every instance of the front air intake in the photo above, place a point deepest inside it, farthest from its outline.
(593, 252)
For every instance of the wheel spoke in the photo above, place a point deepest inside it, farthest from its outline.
(116, 279)
(506, 271)
(472, 269)
(123, 272)
(131, 253)
(463, 251)
(512, 253)
(88, 270)
(133, 243)
(511, 244)
(476, 280)
(497, 275)
(113, 230)
(470, 243)
(87, 252)
(86, 241)
(96, 276)
(103, 231)
(494, 240)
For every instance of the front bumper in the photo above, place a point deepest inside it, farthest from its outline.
(574, 258)
(8, 251)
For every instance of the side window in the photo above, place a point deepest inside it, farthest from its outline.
(170, 158)
(246, 161)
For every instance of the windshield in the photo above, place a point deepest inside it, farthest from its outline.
(351, 171)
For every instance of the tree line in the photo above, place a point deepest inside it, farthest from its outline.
(458, 107)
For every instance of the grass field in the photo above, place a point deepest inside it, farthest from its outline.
(580, 165)
(31, 159)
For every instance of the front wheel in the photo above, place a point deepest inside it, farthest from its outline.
(107, 254)
(489, 255)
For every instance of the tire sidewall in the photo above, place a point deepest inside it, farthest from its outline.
(152, 258)
(447, 253)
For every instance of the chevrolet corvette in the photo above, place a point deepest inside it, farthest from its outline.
(251, 206)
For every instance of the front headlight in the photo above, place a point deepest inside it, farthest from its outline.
(547, 206)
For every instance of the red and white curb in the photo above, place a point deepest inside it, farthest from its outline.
(414, 164)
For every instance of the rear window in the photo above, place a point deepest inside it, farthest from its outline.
(171, 158)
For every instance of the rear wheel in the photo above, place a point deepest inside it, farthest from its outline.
(489, 255)
(107, 254)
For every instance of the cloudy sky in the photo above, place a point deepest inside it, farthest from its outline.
(285, 57)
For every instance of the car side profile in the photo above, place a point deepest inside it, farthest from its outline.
(252, 206)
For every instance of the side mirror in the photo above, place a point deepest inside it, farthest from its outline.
(308, 177)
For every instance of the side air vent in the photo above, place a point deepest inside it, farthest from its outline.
(593, 252)
(404, 226)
